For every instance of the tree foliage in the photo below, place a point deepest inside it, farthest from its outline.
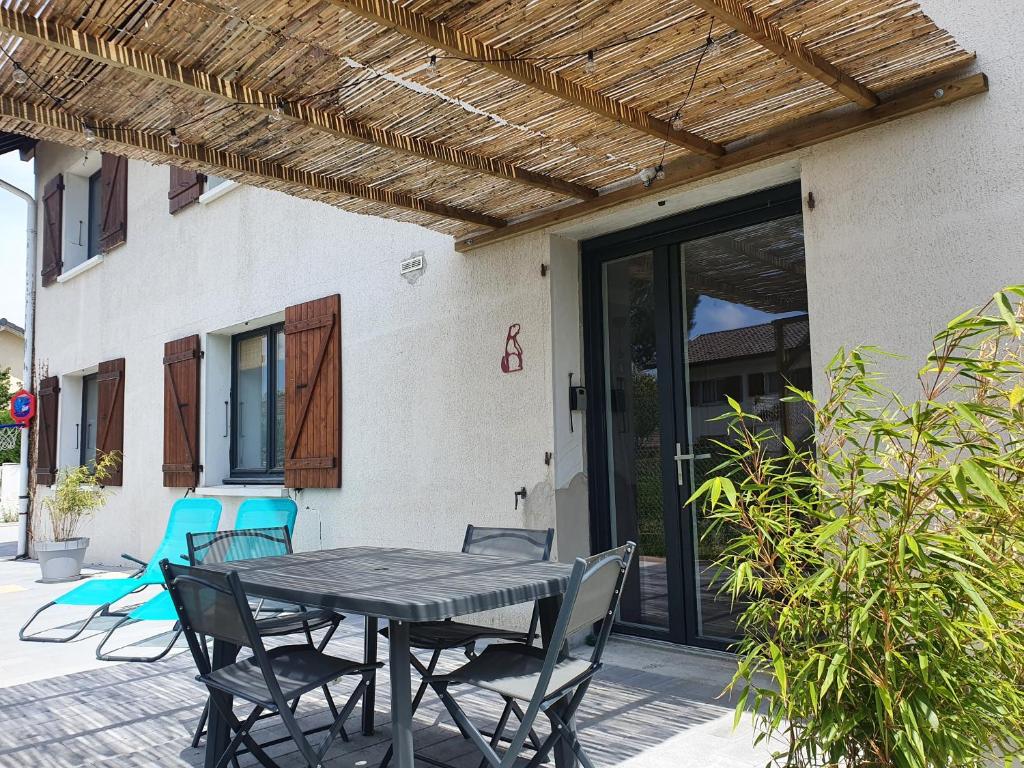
(883, 570)
(10, 455)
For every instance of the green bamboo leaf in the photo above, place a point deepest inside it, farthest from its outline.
(779, 664)
(730, 490)
(701, 491)
(973, 595)
(716, 490)
(1016, 396)
(1006, 311)
(983, 481)
(741, 707)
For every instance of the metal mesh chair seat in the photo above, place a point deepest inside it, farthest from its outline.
(295, 621)
(299, 669)
(515, 670)
(446, 635)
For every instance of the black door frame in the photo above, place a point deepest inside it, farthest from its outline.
(663, 237)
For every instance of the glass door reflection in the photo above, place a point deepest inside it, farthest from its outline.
(634, 433)
(746, 337)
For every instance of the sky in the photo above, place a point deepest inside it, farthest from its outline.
(716, 315)
(12, 238)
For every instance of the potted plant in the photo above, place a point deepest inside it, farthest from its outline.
(78, 493)
(881, 569)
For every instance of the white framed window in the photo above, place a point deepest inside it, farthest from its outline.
(214, 188)
(83, 203)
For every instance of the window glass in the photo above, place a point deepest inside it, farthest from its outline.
(257, 427)
(214, 181)
(90, 415)
(279, 401)
(95, 214)
(251, 390)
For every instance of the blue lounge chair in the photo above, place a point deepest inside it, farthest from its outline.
(189, 515)
(252, 513)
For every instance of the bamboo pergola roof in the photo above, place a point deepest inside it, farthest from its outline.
(536, 109)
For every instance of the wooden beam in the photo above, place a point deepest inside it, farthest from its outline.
(455, 43)
(63, 120)
(61, 38)
(752, 252)
(684, 171)
(719, 289)
(767, 34)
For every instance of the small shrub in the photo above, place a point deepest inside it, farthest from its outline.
(882, 570)
(77, 494)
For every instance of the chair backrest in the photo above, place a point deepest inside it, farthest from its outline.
(213, 604)
(267, 513)
(599, 591)
(518, 543)
(227, 546)
(210, 604)
(190, 515)
(593, 595)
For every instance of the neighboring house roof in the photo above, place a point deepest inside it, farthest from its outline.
(7, 325)
(753, 341)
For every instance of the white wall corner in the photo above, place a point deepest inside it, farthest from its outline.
(571, 503)
(215, 425)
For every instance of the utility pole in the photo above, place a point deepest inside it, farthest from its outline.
(30, 321)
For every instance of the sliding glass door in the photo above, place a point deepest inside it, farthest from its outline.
(680, 317)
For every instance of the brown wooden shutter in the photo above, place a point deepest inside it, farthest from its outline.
(312, 420)
(53, 220)
(46, 430)
(110, 423)
(186, 187)
(181, 413)
(114, 208)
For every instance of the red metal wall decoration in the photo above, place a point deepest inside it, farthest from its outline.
(512, 360)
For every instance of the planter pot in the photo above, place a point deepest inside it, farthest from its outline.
(61, 560)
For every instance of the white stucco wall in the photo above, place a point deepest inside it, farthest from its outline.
(12, 355)
(435, 435)
(8, 490)
(921, 219)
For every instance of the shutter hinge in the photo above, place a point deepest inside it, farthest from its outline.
(202, 354)
(201, 468)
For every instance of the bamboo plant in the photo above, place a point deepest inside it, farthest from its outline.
(882, 569)
(77, 495)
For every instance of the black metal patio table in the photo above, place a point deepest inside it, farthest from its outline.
(402, 586)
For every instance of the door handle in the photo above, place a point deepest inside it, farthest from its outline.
(680, 457)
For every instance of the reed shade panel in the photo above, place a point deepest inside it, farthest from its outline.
(464, 149)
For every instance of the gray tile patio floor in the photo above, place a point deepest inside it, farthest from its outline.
(653, 706)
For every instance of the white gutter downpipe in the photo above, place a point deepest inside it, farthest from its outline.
(30, 319)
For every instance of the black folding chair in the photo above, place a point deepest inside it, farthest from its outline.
(273, 618)
(550, 681)
(211, 604)
(440, 636)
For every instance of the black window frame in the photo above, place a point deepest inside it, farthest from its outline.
(94, 217)
(269, 474)
(83, 429)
